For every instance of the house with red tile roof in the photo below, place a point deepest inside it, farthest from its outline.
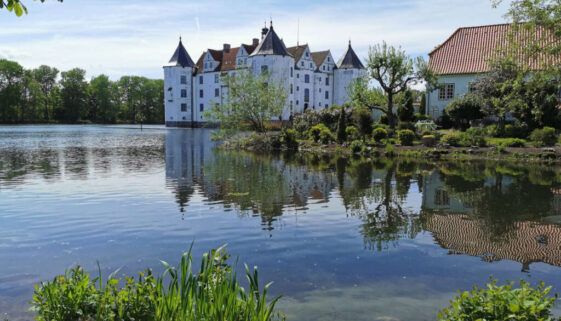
(313, 80)
(466, 54)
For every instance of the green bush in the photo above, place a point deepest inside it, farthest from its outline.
(513, 142)
(363, 120)
(494, 131)
(459, 139)
(544, 137)
(325, 136)
(383, 119)
(406, 137)
(476, 131)
(352, 133)
(315, 132)
(288, 138)
(452, 139)
(516, 130)
(212, 293)
(378, 125)
(356, 147)
(406, 125)
(501, 303)
(379, 133)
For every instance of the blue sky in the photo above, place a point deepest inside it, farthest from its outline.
(125, 37)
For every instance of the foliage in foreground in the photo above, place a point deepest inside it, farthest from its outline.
(179, 294)
(501, 303)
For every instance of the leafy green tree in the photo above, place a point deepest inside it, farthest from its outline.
(423, 106)
(74, 95)
(465, 109)
(103, 107)
(394, 71)
(46, 77)
(33, 99)
(405, 110)
(16, 6)
(364, 121)
(11, 84)
(252, 99)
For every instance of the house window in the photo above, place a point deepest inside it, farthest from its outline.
(297, 102)
(291, 88)
(327, 81)
(307, 79)
(297, 75)
(183, 80)
(216, 92)
(291, 72)
(183, 93)
(446, 92)
(264, 68)
(216, 78)
(201, 107)
(183, 107)
(302, 64)
(311, 65)
(307, 54)
(297, 88)
(326, 94)
(201, 79)
(201, 94)
(323, 68)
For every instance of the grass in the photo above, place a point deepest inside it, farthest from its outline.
(179, 294)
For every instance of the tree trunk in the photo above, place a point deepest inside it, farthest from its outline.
(389, 112)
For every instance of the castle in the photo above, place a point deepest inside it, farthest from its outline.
(312, 79)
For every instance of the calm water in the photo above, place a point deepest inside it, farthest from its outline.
(343, 239)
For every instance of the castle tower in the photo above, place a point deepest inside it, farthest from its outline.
(272, 56)
(348, 69)
(178, 87)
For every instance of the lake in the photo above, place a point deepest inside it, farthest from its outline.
(342, 238)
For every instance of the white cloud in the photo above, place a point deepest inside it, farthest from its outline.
(124, 37)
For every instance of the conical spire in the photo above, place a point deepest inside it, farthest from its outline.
(181, 57)
(350, 60)
(271, 45)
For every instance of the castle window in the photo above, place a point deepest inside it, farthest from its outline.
(327, 81)
(328, 60)
(201, 79)
(264, 68)
(326, 94)
(297, 75)
(216, 78)
(297, 88)
(183, 107)
(302, 64)
(183, 80)
(291, 72)
(201, 107)
(320, 90)
(323, 67)
(320, 104)
(297, 102)
(311, 65)
(216, 92)
(183, 93)
(201, 94)
(446, 92)
(307, 54)
(291, 88)
(307, 79)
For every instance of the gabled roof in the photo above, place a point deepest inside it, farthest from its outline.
(226, 60)
(271, 45)
(297, 51)
(319, 57)
(469, 49)
(181, 57)
(350, 60)
(249, 48)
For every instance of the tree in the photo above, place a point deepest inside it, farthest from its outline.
(251, 99)
(11, 84)
(16, 6)
(46, 77)
(394, 71)
(74, 94)
(364, 121)
(423, 107)
(103, 106)
(405, 110)
(464, 109)
(342, 126)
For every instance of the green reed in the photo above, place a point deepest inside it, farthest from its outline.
(213, 293)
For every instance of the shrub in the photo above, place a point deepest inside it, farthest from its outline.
(315, 132)
(452, 139)
(212, 293)
(325, 136)
(516, 130)
(476, 131)
(363, 120)
(544, 137)
(501, 303)
(426, 132)
(406, 137)
(406, 125)
(356, 147)
(383, 119)
(494, 131)
(458, 139)
(429, 140)
(352, 133)
(379, 133)
(378, 125)
(288, 138)
(513, 142)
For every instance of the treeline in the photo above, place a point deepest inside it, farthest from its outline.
(45, 95)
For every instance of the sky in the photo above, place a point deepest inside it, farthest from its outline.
(126, 37)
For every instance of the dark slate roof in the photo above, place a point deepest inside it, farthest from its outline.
(181, 57)
(350, 60)
(319, 57)
(271, 45)
(297, 51)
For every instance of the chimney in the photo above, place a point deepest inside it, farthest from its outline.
(255, 41)
(264, 32)
(226, 47)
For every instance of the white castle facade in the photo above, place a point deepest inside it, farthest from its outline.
(312, 79)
